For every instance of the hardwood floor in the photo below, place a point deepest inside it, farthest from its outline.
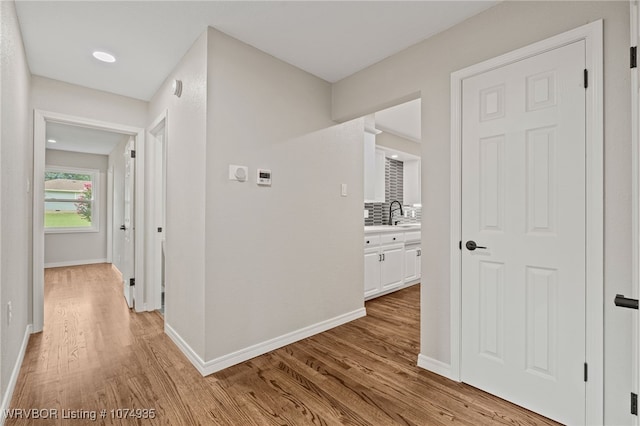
(95, 354)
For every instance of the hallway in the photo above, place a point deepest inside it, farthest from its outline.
(95, 354)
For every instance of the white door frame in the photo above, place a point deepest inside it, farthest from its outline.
(154, 291)
(592, 35)
(635, 196)
(40, 120)
(109, 212)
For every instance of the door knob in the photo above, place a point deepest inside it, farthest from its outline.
(471, 245)
(122, 227)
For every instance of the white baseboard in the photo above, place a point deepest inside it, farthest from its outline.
(209, 367)
(74, 263)
(435, 366)
(184, 347)
(116, 270)
(8, 394)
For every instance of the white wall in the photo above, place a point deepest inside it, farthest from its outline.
(426, 68)
(240, 269)
(78, 248)
(288, 256)
(16, 158)
(186, 173)
(56, 96)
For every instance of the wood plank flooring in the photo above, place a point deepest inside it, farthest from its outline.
(95, 354)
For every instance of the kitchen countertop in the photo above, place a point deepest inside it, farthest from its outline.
(392, 228)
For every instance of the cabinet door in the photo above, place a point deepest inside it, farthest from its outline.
(392, 266)
(371, 271)
(411, 184)
(411, 262)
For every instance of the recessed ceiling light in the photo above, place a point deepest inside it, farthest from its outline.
(394, 156)
(104, 56)
(51, 140)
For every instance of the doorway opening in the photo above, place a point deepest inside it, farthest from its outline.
(392, 199)
(81, 171)
(157, 153)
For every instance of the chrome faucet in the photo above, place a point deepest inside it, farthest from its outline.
(391, 210)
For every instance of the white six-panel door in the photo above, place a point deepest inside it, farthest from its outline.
(523, 198)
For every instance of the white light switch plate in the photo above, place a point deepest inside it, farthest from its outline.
(343, 189)
(238, 173)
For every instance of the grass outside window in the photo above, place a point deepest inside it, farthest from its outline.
(64, 220)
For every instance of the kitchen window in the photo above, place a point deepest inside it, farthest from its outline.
(70, 200)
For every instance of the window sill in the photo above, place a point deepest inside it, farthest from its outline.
(70, 230)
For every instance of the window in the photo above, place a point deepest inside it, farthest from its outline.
(70, 203)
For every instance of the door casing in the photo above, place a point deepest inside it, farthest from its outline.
(592, 35)
(634, 13)
(153, 259)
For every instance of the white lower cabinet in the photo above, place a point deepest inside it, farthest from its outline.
(392, 266)
(372, 260)
(412, 264)
(388, 263)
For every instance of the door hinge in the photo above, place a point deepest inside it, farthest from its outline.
(634, 404)
(634, 57)
(586, 79)
(586, 371)
(133, 153)
(132, 282)
(460, 245)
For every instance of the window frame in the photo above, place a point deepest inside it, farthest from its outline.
(95, 204)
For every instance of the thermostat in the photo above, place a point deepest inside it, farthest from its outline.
(264, 177)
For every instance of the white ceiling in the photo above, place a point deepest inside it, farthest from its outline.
(402, 120)
(82, 139)
(330, 39)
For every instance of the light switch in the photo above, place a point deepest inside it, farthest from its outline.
(343, 190)
(366, 213)
(238, 173)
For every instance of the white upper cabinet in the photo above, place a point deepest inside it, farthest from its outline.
(373, 170)
(411, 182)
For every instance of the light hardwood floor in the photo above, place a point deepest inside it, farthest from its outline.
(95, 354)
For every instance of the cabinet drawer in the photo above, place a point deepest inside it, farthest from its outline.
(371, 240)
(392, 238)
(412, 236)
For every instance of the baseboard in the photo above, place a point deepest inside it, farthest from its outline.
(74, 263)
(220, 363)
(6, 398)
(116, 270)
(184, 347)
(435, 366)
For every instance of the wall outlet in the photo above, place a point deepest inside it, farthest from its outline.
(9, 313)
